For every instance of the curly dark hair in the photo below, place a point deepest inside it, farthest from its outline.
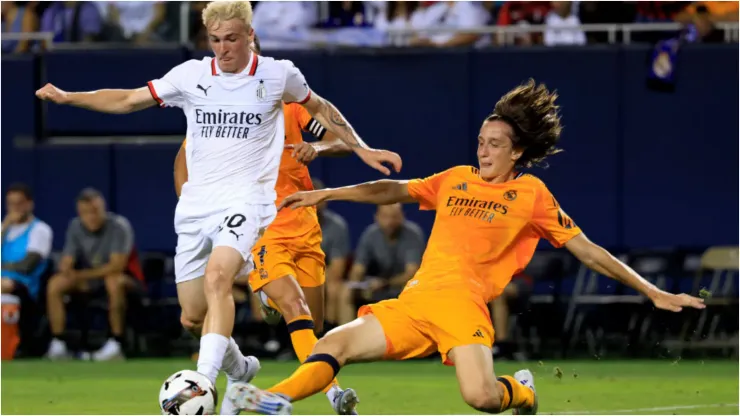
(531, 111)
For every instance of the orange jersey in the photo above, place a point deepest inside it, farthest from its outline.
(484, 233)
(293, 177)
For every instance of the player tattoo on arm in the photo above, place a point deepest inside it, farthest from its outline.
(330, 117)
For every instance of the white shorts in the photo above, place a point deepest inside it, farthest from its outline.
(200, 230)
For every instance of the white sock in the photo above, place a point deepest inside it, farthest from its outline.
(234, 365)
(211, 355)
(333, 392)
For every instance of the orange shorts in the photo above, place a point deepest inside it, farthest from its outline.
(419, 323)
(301, 258)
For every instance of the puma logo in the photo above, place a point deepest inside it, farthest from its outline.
(205, 90)
(235, 234)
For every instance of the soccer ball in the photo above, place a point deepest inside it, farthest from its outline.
(187, 392)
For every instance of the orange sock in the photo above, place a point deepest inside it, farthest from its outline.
(303, 338)
(516, 395)
(314, 374)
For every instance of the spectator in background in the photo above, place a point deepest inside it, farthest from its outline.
(18, 17)
(701, 17)
(283, 16)
(714, 11)
(98, 252)
(387, 256)
(136, 21)
(702, 28)
(450, 14)
(656, 12)
(72, 21)
(523, 13)
(558, 20)
(26, 245)
(399, 15)
(336, 247)
(346, 14)
(198, 32)
(514, 299)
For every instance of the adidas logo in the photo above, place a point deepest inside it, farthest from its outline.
(461, 187)
(478, 334)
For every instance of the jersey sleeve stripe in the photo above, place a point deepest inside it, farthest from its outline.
(253, 69)
(305, 100)
(153, 92)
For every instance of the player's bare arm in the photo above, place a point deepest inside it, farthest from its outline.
(102, 101)
(116, 265)
(329, 146)
(601, 261)
(330, 117)
(180, 171)
(380, 192)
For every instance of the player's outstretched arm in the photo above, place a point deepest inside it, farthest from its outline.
(328, 115)
(378, 192)
(601, 261)
(102, 101)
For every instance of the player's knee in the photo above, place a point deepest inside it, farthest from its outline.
(292, 305)
(334, 344)
(192, 324)
(483, 398)
(217, 282)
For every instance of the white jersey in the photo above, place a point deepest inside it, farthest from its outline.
(236, 130)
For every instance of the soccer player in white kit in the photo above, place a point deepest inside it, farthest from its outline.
(235, 140)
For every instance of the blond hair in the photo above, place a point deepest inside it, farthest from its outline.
(221, 11)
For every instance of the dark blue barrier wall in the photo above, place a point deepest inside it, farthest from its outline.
(640, 168)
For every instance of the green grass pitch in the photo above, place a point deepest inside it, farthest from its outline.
(419, 387)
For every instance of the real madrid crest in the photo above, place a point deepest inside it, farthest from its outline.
(510, 195)
(261, 91)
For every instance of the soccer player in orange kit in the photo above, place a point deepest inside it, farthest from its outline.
(289, 263)
(488, 223)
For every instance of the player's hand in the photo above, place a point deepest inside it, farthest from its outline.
(377, 158)
(675, 303)
(303, 152)
(302, 199)
(51, 93)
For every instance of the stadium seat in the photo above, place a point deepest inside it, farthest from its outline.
(591, 309)
(715, 327)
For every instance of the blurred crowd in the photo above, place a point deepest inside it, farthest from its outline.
(294, 24)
